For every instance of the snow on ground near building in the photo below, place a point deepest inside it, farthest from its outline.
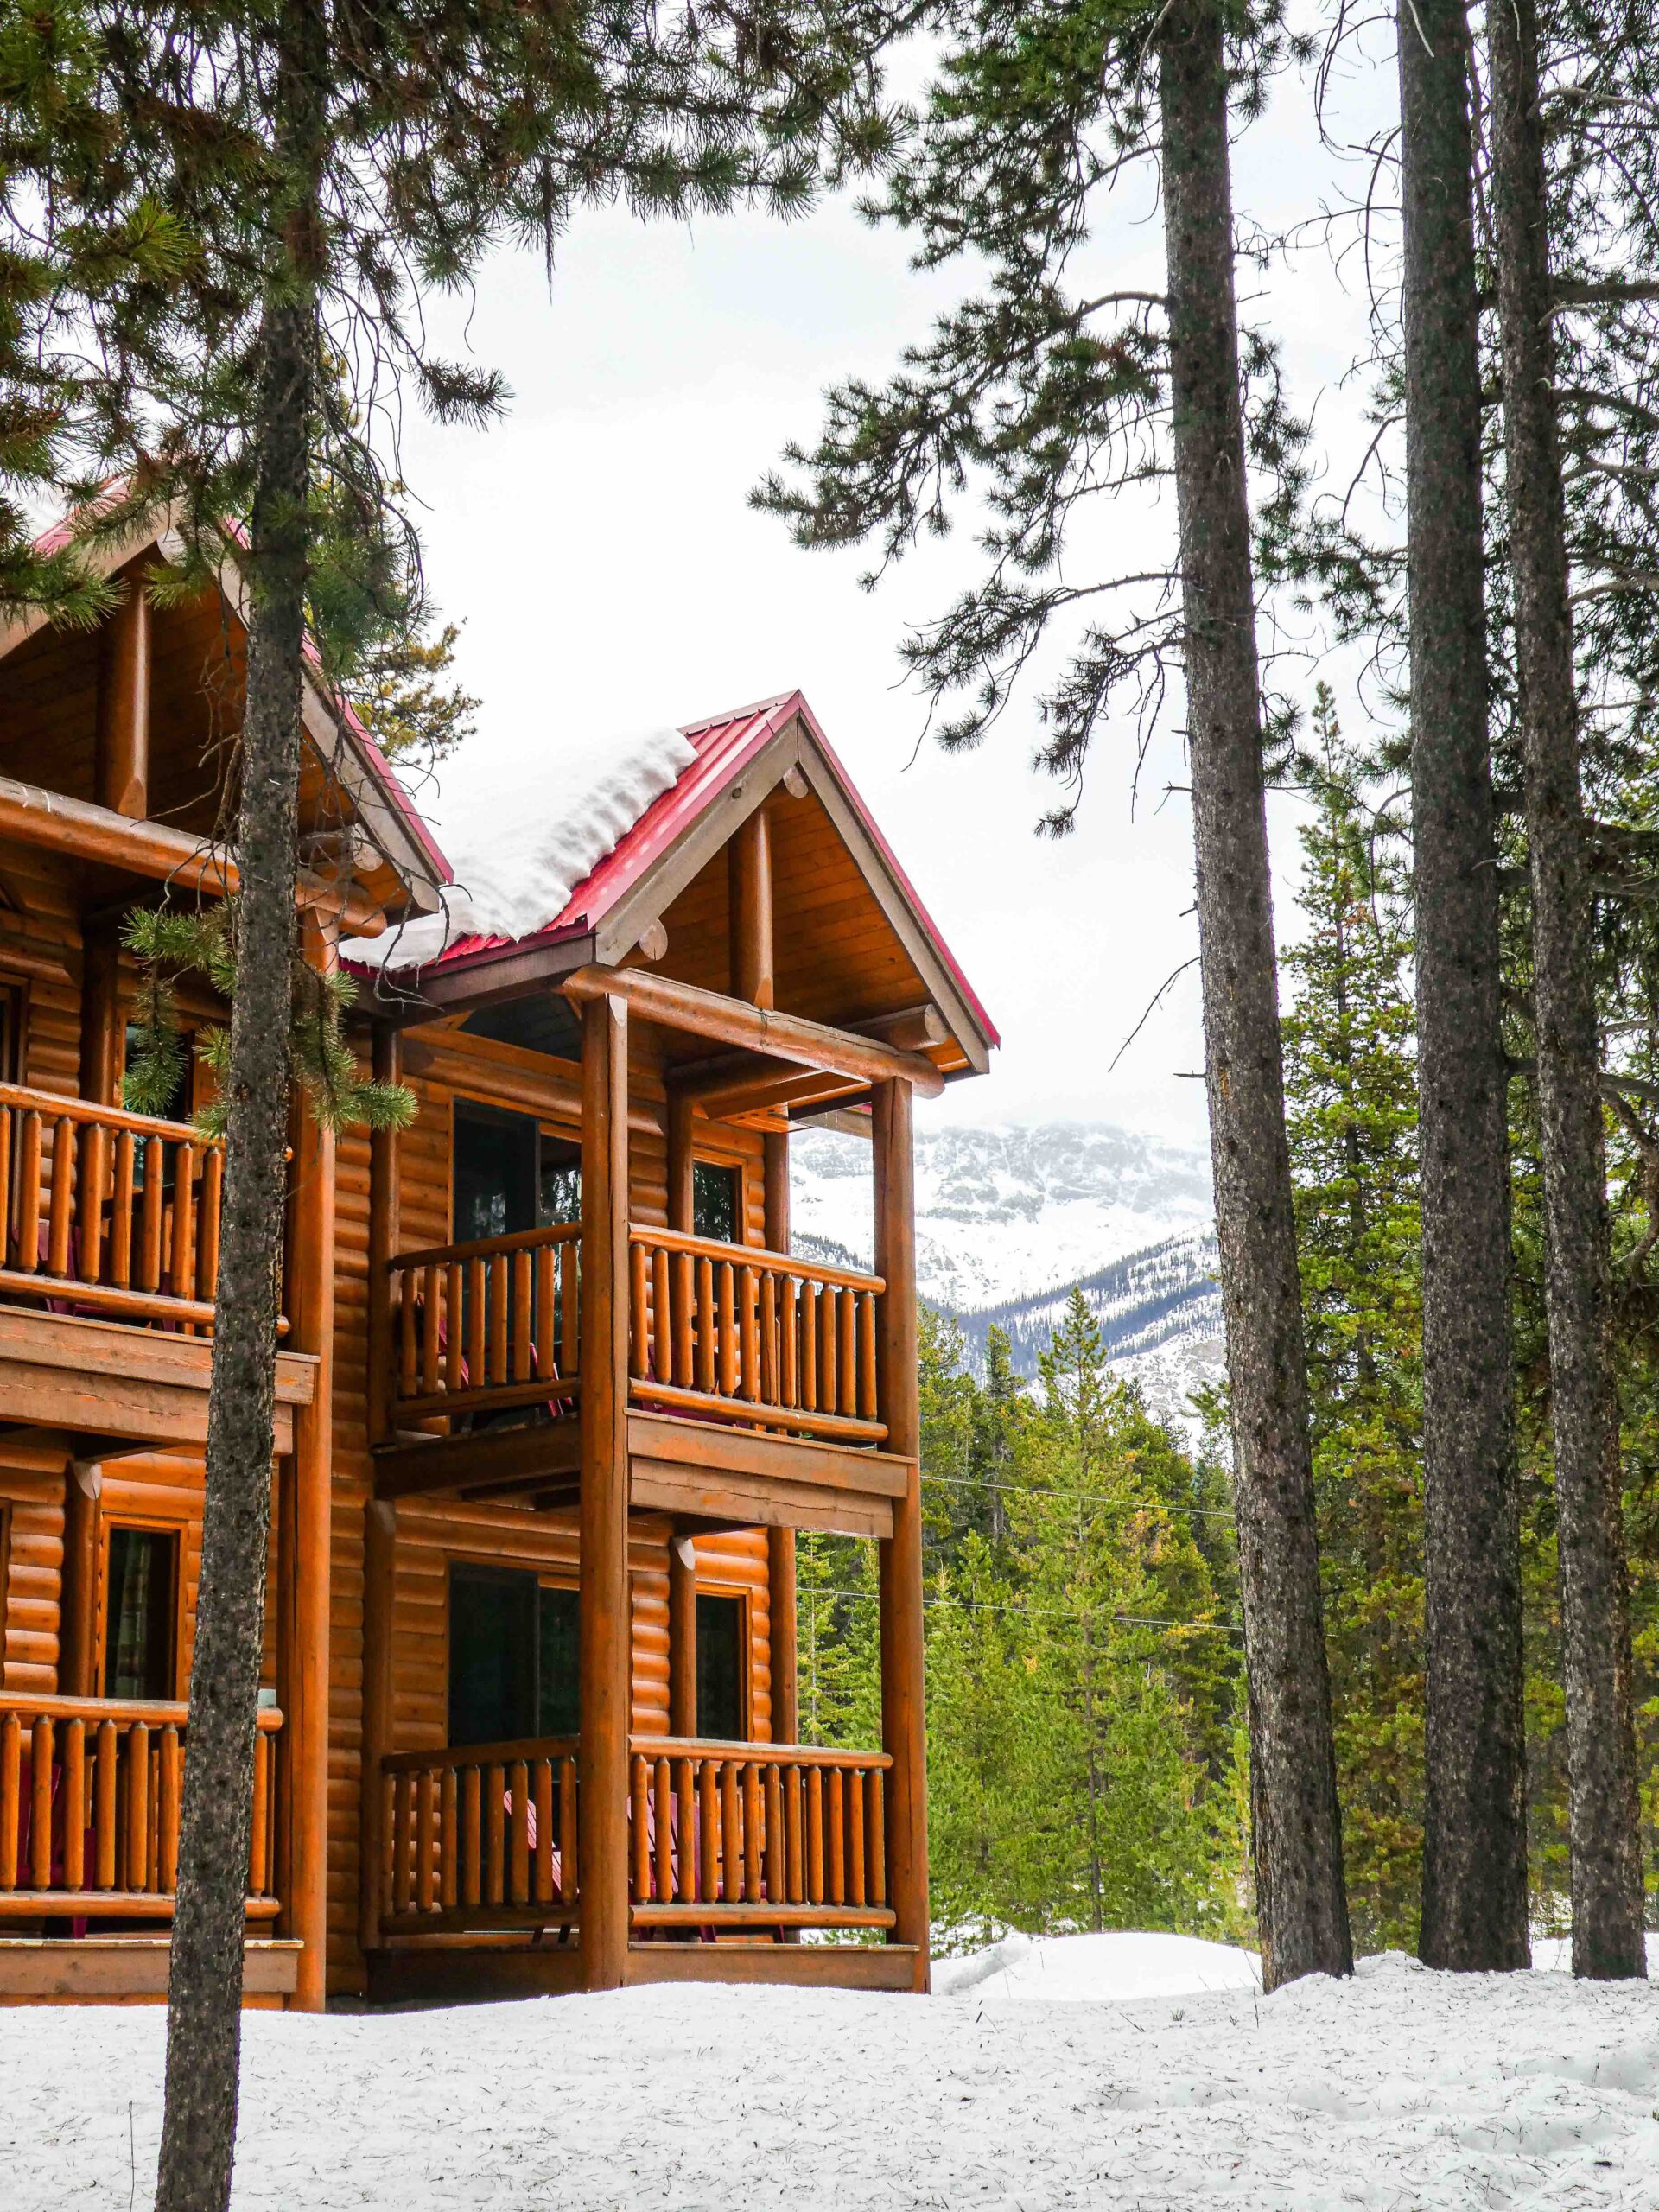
(1090, 1969)
(1401, 2091)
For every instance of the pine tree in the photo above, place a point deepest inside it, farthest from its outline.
(1350, 1087)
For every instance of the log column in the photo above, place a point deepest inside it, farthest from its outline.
(682, 1636)
(83, 1485)
(605, 1654)
(380, 1518)
(904, 1733)
(306, 1545)
(123, 754)
(781, 1542)
(749, 884)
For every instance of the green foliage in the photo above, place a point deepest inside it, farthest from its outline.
(1082, 1677)
(167, 941)
(412, 713)
(1352, 1117)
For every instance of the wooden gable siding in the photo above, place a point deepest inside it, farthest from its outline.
(838, 959)
(430, 1534)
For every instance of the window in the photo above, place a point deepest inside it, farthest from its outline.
(512, 1656)
(716, 1202)
(510, 1174)
(723, 1649)
(141, 1590)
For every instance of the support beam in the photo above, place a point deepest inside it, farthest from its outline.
(727, 1021)
(380, 1565)
(307, 1534)
(53, 824)
(781, 1542)
(748, 859)
(904, 1732)
(605, 1653)
(83, 1485)
(101, 1029)
(123, 741)
(682, 1636)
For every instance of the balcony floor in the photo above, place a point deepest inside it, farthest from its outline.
(698, 1472)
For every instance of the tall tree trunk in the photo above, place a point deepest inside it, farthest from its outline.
(204, 1993)
(1474, 1850)
(1301, 1904)
(1603, 1807)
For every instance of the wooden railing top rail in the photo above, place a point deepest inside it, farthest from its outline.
(154, 1713)
(487, 1248)
(755, 1256)
(54, 1105)
(520, 1749)
(700, 1747)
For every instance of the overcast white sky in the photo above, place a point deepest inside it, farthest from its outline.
(598, 547)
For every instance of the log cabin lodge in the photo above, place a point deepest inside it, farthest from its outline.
(553, 1394)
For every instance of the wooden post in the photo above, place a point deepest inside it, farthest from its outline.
(682, 1636)
(304, 1553)
(384, 1230)
(605, 1653)
(680, 1202)
(904, 1732)
(749, 880)
(379, 1565)
(123, 742)
(101, 1032)
(83, 1485)
(781, 1542)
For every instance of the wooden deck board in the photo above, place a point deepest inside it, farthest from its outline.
(115, 1969)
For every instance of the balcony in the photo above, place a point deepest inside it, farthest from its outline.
(753, 1385)
(109, 1268)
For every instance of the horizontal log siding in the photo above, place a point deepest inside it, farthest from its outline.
(32, 1490)
(431, 1534)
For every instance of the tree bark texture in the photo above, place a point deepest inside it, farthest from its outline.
(1603, 1807)
(1301, 1904)
(205, 1996)
(1474, 1852)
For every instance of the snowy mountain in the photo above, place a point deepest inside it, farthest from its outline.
(1008, 1219)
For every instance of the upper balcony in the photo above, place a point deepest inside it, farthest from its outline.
(109, 1270)
(753, 1388)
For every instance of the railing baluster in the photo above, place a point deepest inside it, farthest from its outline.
(769, 1338)
(795, 1865)
(543, 1802)
(640, 1830)
(750, 1830)
(827, 1342)
(876, 1845)
(708, 1833)
(748, 1376)
(150, 1220)
(662, 1815)
(808, 1347)
(845, 1353)
(776, 1889)
(73, 1758)
(520, 1332)
(638, 1318)
(855, 1838)
(706, 1324)
(61, 1219)
(566, 1831)
(815, 1835)
(261, 1807)
(727, 1329)
(498, 1270)
(213, 1194)
(836, 1822)
(789, 1381)
(430, 1331)
(7, 1117)
(40, 1829)
(407, 1351)
(452, 1303)
(495, 1834)
(426, 1836)
(183, 1273)
(683, 1329)
(867, 1399)
(121, 1211)
(731, 1834)
(518, 1861)
(569, 1306)
(106, 1787)
(138, 1872)
(93, 1168)
(688, 1886)
(471, 1837)
(29, 1196)
(546, 1359)
(448, 1824)
(477, 1306)
(11, 1767)
(168, 1794)
(403, 1868)
(662, 1316)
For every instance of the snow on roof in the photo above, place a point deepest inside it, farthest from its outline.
(522, 826)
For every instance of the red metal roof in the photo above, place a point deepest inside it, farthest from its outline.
(725, 744)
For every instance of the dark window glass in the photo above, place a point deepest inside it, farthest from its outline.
(560, 1199)
(512, 1656)
(716, 1193)
(138, 1613)
(557, 1691)
(496, 1159)
(492, 1655)
(720, 1668)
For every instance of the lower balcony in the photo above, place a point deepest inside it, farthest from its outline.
(109, 1268)
(90, 1792)
(734, 1852)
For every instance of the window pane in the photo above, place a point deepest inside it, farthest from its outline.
(492, 1655)
(561, 1193)
(720, 1668)
(495, 1171)
(715, 1192)
(560, 1701)
(138, 1613)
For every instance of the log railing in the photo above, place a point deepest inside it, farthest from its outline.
(764, 1835)
(754, 1337)
(89, 1808)
(113, 1213)
(480, 1836)
(484, 1325)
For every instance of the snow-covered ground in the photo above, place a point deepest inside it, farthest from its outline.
(1401, 2091)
